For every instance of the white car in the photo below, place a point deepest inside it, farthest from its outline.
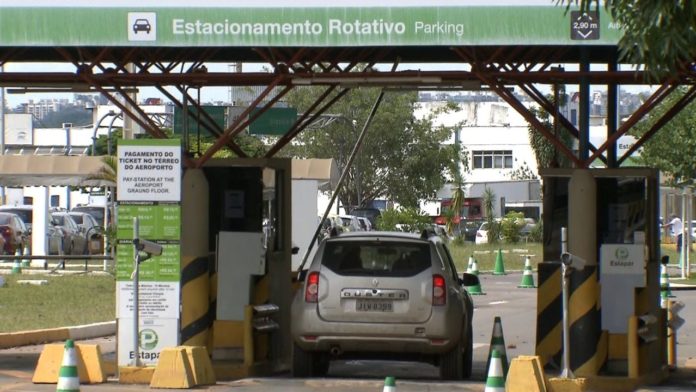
(351, 222)
(365, 223)
(482, 234)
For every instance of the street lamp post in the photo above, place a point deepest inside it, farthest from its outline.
(96, 127)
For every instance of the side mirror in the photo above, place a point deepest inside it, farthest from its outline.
(469, 280)
(295, 250)
(664, 260)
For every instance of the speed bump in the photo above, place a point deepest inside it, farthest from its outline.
(173, 370)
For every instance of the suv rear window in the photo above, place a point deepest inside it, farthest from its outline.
(376, 258)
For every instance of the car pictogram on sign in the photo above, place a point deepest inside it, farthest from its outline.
(141, 25)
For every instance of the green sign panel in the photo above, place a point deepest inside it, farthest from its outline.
(217, 113)
(274, 121)
(160, 223)
(296, 25)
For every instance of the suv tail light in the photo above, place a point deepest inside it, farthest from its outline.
(6, 232)
(312, 287)
(439, 290)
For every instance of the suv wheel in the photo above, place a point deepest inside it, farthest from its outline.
(302, 362)
(452, 363)
(321, 364)
(468, 354)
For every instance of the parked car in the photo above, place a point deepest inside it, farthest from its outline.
(350, 223)
(370, 213)
(14, 233)
(74, 239)
(387, 295)
(469, 229)
(92, 231)
(26, 212)
(482, 234)
(365, 224)
(96, 211)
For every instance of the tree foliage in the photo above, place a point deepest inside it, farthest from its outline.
(545, 152)
(671, 149)
(402, 157)
(411, 220)
(657, 33)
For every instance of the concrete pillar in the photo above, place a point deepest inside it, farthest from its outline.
(584, 314)
(195, 281)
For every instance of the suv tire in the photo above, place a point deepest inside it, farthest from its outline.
(468, 355)
(302, 362)
(452, 363)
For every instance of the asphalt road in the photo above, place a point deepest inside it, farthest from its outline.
(515, 306)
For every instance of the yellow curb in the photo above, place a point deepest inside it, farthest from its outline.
(135, 375)
(90, 367)
(201, 366)
(173, 370)
(525, 375)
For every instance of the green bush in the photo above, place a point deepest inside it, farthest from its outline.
(408, 219)
(510, 227)
(537, 234)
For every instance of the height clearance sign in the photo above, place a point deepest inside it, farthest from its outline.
(149, 188)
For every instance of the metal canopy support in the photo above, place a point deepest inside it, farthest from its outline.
(104, 68)
(668, 115)
(661, 93)
(612, 116)
(584, 111)
(507, 96)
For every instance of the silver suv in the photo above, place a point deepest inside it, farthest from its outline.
(386, 295)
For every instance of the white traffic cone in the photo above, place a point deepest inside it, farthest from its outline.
(527, 275)
(68, 380)
(498, 344)
(470, 265)
(26, 263)
(17, 266)
(389, 384)
(495, 380)
(474, 268)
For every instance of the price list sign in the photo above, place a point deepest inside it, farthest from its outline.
(149, 188)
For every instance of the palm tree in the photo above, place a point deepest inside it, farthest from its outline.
(107, 176)
(107, 173)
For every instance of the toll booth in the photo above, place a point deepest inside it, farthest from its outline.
(236, 259)
(617, 327)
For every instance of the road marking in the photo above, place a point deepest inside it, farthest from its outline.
(497, 302)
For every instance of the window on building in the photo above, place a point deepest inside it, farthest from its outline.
(493, 159)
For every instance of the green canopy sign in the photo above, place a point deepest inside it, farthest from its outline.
(397, 25)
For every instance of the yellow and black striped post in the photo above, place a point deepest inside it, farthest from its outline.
(549, 314)
(196, 313)
(587, 352)
(587, 355)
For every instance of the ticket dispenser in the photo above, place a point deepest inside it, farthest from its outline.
(620, 288)
(249, 224)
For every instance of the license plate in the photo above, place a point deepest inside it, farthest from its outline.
(373, 306)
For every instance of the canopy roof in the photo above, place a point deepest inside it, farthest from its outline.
(50, 170)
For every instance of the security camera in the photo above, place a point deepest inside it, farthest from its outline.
(573, 261)
(148, 247)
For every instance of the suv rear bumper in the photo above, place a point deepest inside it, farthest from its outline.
(438, 335)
